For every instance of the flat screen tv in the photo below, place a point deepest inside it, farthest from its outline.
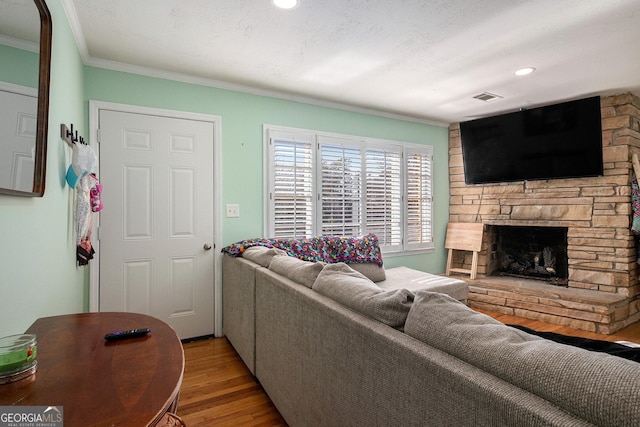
(556, 141)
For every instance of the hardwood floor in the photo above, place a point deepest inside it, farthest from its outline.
(218, 389)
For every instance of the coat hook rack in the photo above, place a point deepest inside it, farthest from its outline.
(69, 136)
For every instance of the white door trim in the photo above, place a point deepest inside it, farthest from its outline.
(22, 90)
(94, 275)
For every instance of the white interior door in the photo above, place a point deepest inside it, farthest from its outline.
(18, 125)
(156, 229)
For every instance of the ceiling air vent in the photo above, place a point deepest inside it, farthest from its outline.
(487, 97)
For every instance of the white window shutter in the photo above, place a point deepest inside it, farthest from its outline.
(419, 193)
(340, 196)
(384, 196)
(291, 199)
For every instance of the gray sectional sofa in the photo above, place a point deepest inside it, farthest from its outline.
(331, 348)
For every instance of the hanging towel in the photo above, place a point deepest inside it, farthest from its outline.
(635, 205)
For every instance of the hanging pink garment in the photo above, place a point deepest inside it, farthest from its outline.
(84, 251)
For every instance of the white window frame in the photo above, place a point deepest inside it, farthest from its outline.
(317, 139)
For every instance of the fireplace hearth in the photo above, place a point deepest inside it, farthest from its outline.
(531, 252)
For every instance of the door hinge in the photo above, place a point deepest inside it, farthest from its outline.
(98, 136)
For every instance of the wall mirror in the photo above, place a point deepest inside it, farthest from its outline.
(25, 55)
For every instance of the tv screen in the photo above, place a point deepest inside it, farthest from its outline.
(557, 141)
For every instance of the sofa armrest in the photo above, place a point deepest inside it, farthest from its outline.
(238, 306)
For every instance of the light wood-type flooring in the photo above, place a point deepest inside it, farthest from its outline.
(218, 389)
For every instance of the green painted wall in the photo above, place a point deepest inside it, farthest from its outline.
(243, 116)
(19, 66)
(37, 244)
(37, 247)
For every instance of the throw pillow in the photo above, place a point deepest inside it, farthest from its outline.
(262, 255)
(351, 289)
(303, 272)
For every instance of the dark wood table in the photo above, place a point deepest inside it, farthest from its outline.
(131, 382)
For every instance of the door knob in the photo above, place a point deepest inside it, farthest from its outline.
(207, 247)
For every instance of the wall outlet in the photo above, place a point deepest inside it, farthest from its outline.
(233, 210)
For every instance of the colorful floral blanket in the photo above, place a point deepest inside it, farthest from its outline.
(331, 249)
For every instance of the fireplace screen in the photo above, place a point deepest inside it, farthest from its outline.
(532, 252)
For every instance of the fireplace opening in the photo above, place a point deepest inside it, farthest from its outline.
(532, 252)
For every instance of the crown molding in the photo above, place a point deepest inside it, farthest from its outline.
(88, 60)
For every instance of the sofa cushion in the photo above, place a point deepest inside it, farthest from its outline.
(414, 280)
(303, 272)
(371, 271)
(572, 378)
(261, 254)
(352, 289)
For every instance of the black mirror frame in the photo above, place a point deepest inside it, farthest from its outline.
(40, 163)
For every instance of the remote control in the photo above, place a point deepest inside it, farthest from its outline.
(132, 333)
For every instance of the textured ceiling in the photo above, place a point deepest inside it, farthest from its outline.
(417, 58)
(19, 24)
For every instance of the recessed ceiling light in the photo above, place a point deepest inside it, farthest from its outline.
(524, 71)
(285, 4)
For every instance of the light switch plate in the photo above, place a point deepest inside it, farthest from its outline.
(233, 210)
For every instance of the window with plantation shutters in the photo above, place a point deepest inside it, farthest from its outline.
(291, 184)
(349, 186)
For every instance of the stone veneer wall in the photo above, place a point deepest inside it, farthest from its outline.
(596, 211)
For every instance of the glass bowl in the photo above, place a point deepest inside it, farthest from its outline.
(17, 354)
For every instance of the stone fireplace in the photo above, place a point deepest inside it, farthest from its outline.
(529, 252)
(593, 283)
